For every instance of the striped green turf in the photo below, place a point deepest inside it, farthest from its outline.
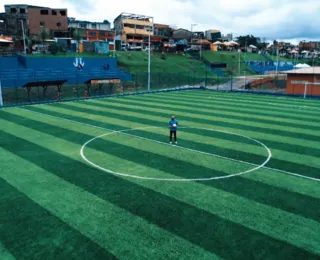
(54, 205)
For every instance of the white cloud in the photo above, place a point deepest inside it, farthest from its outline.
(270, 19)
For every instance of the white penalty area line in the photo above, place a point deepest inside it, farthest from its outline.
(215, 155)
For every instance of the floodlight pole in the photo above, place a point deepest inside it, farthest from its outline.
(239, 64)
(192, 25)
(277, 62)
(149, 59)
(149, 63)
(114, 43)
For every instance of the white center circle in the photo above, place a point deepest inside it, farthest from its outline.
(179, 179)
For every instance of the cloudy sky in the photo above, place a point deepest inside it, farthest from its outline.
(270, 19)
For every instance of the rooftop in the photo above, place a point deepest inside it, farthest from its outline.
(133, 16)
(82, 21)
(158, 25)
(311, 70)
(34, 6)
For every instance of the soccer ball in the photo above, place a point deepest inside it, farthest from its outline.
(174, 125)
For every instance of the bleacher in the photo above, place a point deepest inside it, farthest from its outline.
(262, 67)
(49, 69)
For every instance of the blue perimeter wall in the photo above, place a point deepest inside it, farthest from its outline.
(17, 71)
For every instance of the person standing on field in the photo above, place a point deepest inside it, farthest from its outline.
(173, 124)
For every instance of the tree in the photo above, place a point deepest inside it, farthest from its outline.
(262, 45)
(248, 40)
(43, 34)
(53, 48)
(77, 36)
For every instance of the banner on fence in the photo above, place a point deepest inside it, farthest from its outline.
(105, 81)
(299, 82)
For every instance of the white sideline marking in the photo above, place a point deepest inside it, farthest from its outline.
(174, 179)
(102, 128)
(267, 103)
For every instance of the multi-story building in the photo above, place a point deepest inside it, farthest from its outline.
(309, 46)
(213, 35)
(92, 31)
(3, 28)
(162, 33)
(181, 34)
(227, 37)
(34, 19)
(133, 29)
(86, 25)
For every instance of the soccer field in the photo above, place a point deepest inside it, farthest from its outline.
(98, 179)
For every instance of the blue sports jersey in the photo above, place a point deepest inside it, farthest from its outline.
(171, 123)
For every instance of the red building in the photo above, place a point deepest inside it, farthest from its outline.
(35, 18)
(298, 79)
(100, 35)
(55, 20)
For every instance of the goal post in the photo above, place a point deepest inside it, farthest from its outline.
(306, 85)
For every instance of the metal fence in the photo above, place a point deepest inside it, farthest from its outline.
(52, 91)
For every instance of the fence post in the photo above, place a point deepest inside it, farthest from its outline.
(136, 82)
(1, 99)
(206, 80)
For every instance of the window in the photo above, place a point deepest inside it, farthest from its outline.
(83, 25)
(63, 13)
(94, 26)
(44, 12)
(13, 10)
(54, 12)
(22, 11)
(110, 34)
(93, 34)
(42, 24)
(59, 24)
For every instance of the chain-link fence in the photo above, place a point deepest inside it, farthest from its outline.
(55, 90)
(59, 90)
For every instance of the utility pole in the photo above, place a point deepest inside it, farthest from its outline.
(23, 36)
(192, 25)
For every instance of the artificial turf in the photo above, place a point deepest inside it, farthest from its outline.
(55, 205)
